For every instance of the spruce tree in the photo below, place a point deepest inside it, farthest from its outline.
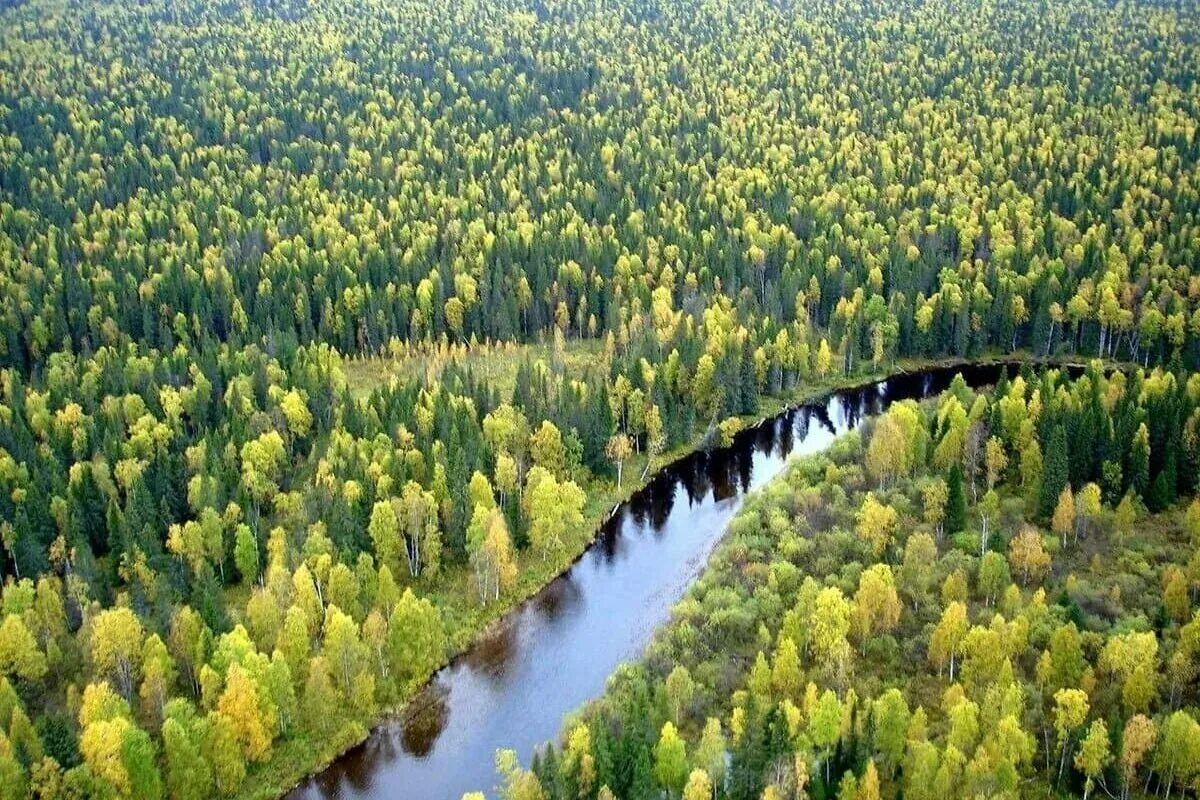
(956, 501)
(1163, 489)
(748, 379)
(1139, 462)
(1055, 472)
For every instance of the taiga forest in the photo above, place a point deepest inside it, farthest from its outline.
(332, 332)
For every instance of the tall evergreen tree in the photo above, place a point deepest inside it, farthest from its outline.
(1054, 472)
(748, 379)
(956, 501)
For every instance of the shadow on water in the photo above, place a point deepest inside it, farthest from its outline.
(554, 652)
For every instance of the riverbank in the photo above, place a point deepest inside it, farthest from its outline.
(467, 622)
(732, 641)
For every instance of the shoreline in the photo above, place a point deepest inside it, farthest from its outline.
(770, 407)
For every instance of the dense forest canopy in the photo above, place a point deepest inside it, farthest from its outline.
(888, 619)
(287, 173)
(221, 562)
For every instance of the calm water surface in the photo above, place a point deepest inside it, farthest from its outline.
(552, 654)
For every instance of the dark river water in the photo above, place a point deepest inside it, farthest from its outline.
(554, 652)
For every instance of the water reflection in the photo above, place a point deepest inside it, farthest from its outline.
(556, 651)
(691, 475)
(558, 599)
(425, 723)
(494, 650)
(821, 415)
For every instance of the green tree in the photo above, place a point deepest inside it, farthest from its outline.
(245, 554)
(220, 749)
(825, 726)
(890, 719)
(1093, 755)
(1070, 710)
(20, 656)
(786, 675)
(138, 756)
(321, 704)
(1177, 758)
(416, 638)
(554, 509)
(680, 690)
(416, 514)
(992, 576)
(670, 760)
(709, 753)
(384, 530)
(949, 636)
(1124, 518)
(343, 650)
(956, 501)
(1054, 472)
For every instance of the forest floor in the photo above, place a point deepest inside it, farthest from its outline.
(451, 591)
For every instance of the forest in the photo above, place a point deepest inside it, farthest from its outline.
(329, 331)
(967, 600)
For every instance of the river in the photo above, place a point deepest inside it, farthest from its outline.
(554, 652)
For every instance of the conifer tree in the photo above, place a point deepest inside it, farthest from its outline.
(956, 501)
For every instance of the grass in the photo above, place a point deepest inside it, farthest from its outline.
(451, 591)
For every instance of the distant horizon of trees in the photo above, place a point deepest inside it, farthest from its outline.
(215, 551)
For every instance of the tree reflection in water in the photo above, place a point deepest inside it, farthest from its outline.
(554, 652)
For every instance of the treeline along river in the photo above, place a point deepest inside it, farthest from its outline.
(554, 652)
